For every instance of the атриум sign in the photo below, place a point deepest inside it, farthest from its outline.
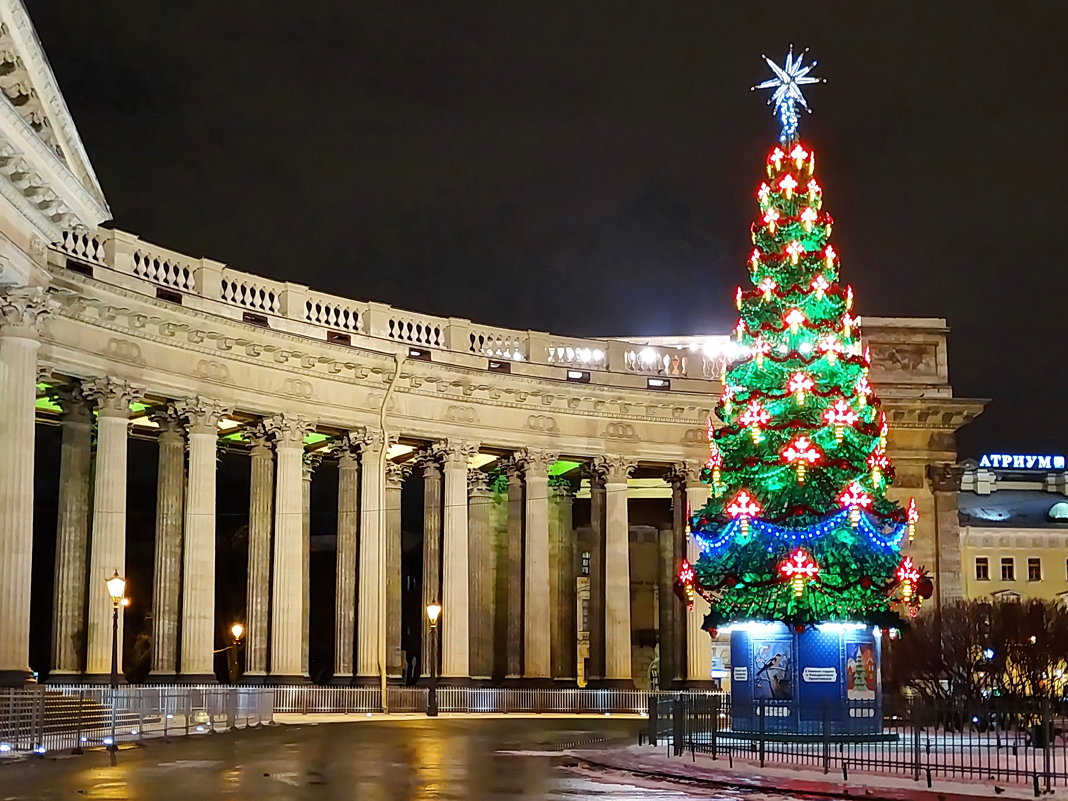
(1021, 461)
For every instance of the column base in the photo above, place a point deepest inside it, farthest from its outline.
(253, 679)
(697, 684)
(287, 681)
(16, 678)
(364, 681)
(64, 677)
(570, 683)
(103, 678)
(196, 678)
(529, 683)
(162, 678)
(610, 684)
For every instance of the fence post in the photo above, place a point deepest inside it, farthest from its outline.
(1047, 739)
(677, 722)
(654, 711)
(915, 743)
(826, 739)
(715, 727)
(78, 725)
(141, 693)
(762, 711)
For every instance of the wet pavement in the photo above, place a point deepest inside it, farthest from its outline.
(387, 760)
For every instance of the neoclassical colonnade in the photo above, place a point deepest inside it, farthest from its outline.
(518, 567)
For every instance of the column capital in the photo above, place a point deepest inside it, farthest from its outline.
(613, 469)
(112, 396)
(170, 424)
(287, 430)
(259, 436)
(561, 489)
(396, 474)
(364, 440)
(687, 474)
(310, 463)
(72, 400)
(454, 453)
(201, 415)
(478, 484)
(534, 461)
(944, 477)
(23, 311)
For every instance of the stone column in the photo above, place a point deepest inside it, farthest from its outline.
(201, 417)
(562, 578)
(369, 606)
(595, 605)
(108, 550)
(72, 534)
(287, 591)
(167, 579)
(431, 551)
(260, 524)
(309, 464)
(348, 530)
(482, 562)
(945, 484)
(395, 656)
(617, 640)
(22, 311)
(537, 576)
(698, 642)
(455, 574)
(513, 601)
(673, 613)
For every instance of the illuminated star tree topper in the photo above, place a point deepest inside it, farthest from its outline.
(787, 84)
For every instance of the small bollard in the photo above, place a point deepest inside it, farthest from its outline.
(1034, 782)
(845, 771)
(928, 778)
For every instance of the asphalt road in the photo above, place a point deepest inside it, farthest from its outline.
(375, 760)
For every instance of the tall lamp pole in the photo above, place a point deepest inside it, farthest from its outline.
(237, 631)
(117, 590)
(433, 611)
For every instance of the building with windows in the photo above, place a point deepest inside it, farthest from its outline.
(320, 468)
(1014, 527)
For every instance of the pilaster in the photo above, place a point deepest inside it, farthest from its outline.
(698, 642)
(538, 579)
(167, 578)
(687, 497)
(348, 530)
(615, 471)
(287, 591)
(113, 397)
(513, 568)
(432, 521)
(944, 480)
(260, 525)
(562, 583)
(72, 532)
(395, 656)
(22, 312)
(482, 562)
(596, 616)
(455, 632)
(369, 611)
(309, 464)
(201, 417)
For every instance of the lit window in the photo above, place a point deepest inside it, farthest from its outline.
(585, 615)
(1034, 569)
(982, 568)
(585, 563)
(1008, 569)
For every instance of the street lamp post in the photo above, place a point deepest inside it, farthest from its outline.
(117, 590)
(237, 631)
(433, 611)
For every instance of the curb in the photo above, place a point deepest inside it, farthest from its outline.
(723, 779)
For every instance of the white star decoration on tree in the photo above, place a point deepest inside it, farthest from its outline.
(787, 84)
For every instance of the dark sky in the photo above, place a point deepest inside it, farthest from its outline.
(590, 167)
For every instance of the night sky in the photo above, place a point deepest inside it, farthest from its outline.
(590, 167)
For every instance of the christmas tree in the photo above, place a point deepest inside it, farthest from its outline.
(798, 527)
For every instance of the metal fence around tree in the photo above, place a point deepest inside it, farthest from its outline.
(1012, 741)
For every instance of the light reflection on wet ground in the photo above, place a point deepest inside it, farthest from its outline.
(397, 760)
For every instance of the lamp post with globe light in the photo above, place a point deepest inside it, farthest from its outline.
(117, 590)
(433, 611)
(237, 631)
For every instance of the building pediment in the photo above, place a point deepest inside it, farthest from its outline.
(45, 172)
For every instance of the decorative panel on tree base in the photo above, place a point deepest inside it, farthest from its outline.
(820, 679)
